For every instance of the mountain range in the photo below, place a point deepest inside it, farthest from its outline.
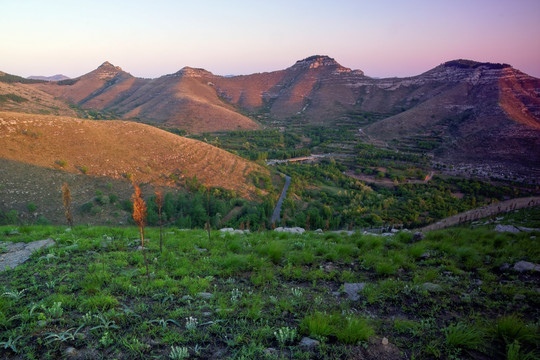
(467, 112)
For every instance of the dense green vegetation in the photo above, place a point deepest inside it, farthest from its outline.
(12, 97)
(336, 201)
(8, 78)
(447, 296)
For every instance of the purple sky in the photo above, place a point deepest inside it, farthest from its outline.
(383, 38)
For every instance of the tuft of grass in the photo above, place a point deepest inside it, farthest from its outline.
(463, 336)
(99, 302)
(512, 328)
(348, 330)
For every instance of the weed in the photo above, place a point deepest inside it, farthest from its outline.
(285, 335)
(236, 295)
(11, 344)
(179, 353)
(106, 339)
(68, 335)
(191, 323)
(55, 311)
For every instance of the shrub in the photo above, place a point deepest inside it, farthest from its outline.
(31, 207)
(87, 207)
(61, 163)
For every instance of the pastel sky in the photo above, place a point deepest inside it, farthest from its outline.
(150, 38)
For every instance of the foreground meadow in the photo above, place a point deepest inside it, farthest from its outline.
(454, 294)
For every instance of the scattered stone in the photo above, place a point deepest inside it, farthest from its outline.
(237, 232)
(336, 293)
(504, 267)
(205, 295)
(523, 266)
(319, 231)
(431, 287)
(226, 230)
(308, 343)
(519, 297)
(71, 351)
(271, 352)
(418, 236)
(14, 232)
(16, 254)
(507, 228)
(425, 255)
(383, 350)
(67, 230)
(201, 249)
(352, 290)
(394, 230)
(526, 229)
(293, 230)
(477, 282)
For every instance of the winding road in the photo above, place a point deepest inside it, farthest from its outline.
(277, 209)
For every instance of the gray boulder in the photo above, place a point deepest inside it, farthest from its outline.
(308, 343)
(352, 289)
(522, 266)
(507, 228)
(18, 253)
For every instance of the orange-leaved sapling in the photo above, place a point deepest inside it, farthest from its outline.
(139, 216)
(66, 199)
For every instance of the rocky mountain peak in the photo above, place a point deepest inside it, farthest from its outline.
(319, 61)
(471, 64)
(107, 71)
(192, 72)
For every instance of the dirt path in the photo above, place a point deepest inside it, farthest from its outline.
(485, 211)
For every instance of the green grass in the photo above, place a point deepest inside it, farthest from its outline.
(247, 293)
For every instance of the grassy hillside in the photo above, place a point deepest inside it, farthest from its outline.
(119, 149)
(255, 296)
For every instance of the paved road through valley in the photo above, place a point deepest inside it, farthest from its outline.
(277, 210)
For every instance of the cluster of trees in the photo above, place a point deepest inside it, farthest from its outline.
(330, 199)
(190, 210)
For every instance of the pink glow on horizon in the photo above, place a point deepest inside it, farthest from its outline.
(383, 39)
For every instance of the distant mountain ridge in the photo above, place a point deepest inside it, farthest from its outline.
(57, 77)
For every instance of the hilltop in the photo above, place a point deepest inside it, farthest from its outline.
(116, 149)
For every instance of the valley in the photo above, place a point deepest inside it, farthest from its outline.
(407, 227)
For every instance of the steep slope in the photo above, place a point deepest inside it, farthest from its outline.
(182, 100)
(476, 113)
(116, 149)
(311, 88)
(89, 86)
